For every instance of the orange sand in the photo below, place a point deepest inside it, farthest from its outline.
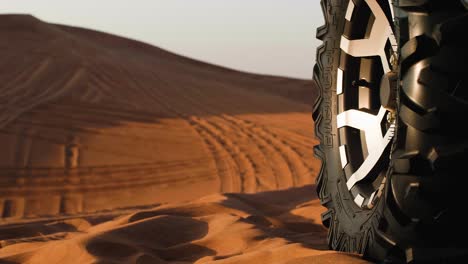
(272, 227)
(108, 145)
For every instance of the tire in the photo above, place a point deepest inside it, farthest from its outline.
(401, 201)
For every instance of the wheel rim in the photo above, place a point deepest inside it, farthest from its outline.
(365, 127)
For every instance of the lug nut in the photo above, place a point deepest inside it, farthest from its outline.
(390, 117)
(388, 86)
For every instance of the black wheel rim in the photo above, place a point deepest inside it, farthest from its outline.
(365, 127)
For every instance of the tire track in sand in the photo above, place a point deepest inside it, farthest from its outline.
(24, 98)
(302, 171)
(243, 168)
(226, 166)
(278, 166)
(248, 167)
(288, 168)
(255, 151)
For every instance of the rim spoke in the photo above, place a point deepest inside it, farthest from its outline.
(349, 11)
(375, 44)
(366, 122)
(374, 156)
(359, 200)
(339, 82)
(375, 141)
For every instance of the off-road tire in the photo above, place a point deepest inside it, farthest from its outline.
(419, 218)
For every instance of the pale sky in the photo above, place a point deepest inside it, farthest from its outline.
(263, 36)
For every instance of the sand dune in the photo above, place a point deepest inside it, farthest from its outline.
(108, 145)
(91, 121)
(218, 229)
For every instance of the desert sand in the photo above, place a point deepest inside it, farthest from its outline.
(269, 227)
(116, 151)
